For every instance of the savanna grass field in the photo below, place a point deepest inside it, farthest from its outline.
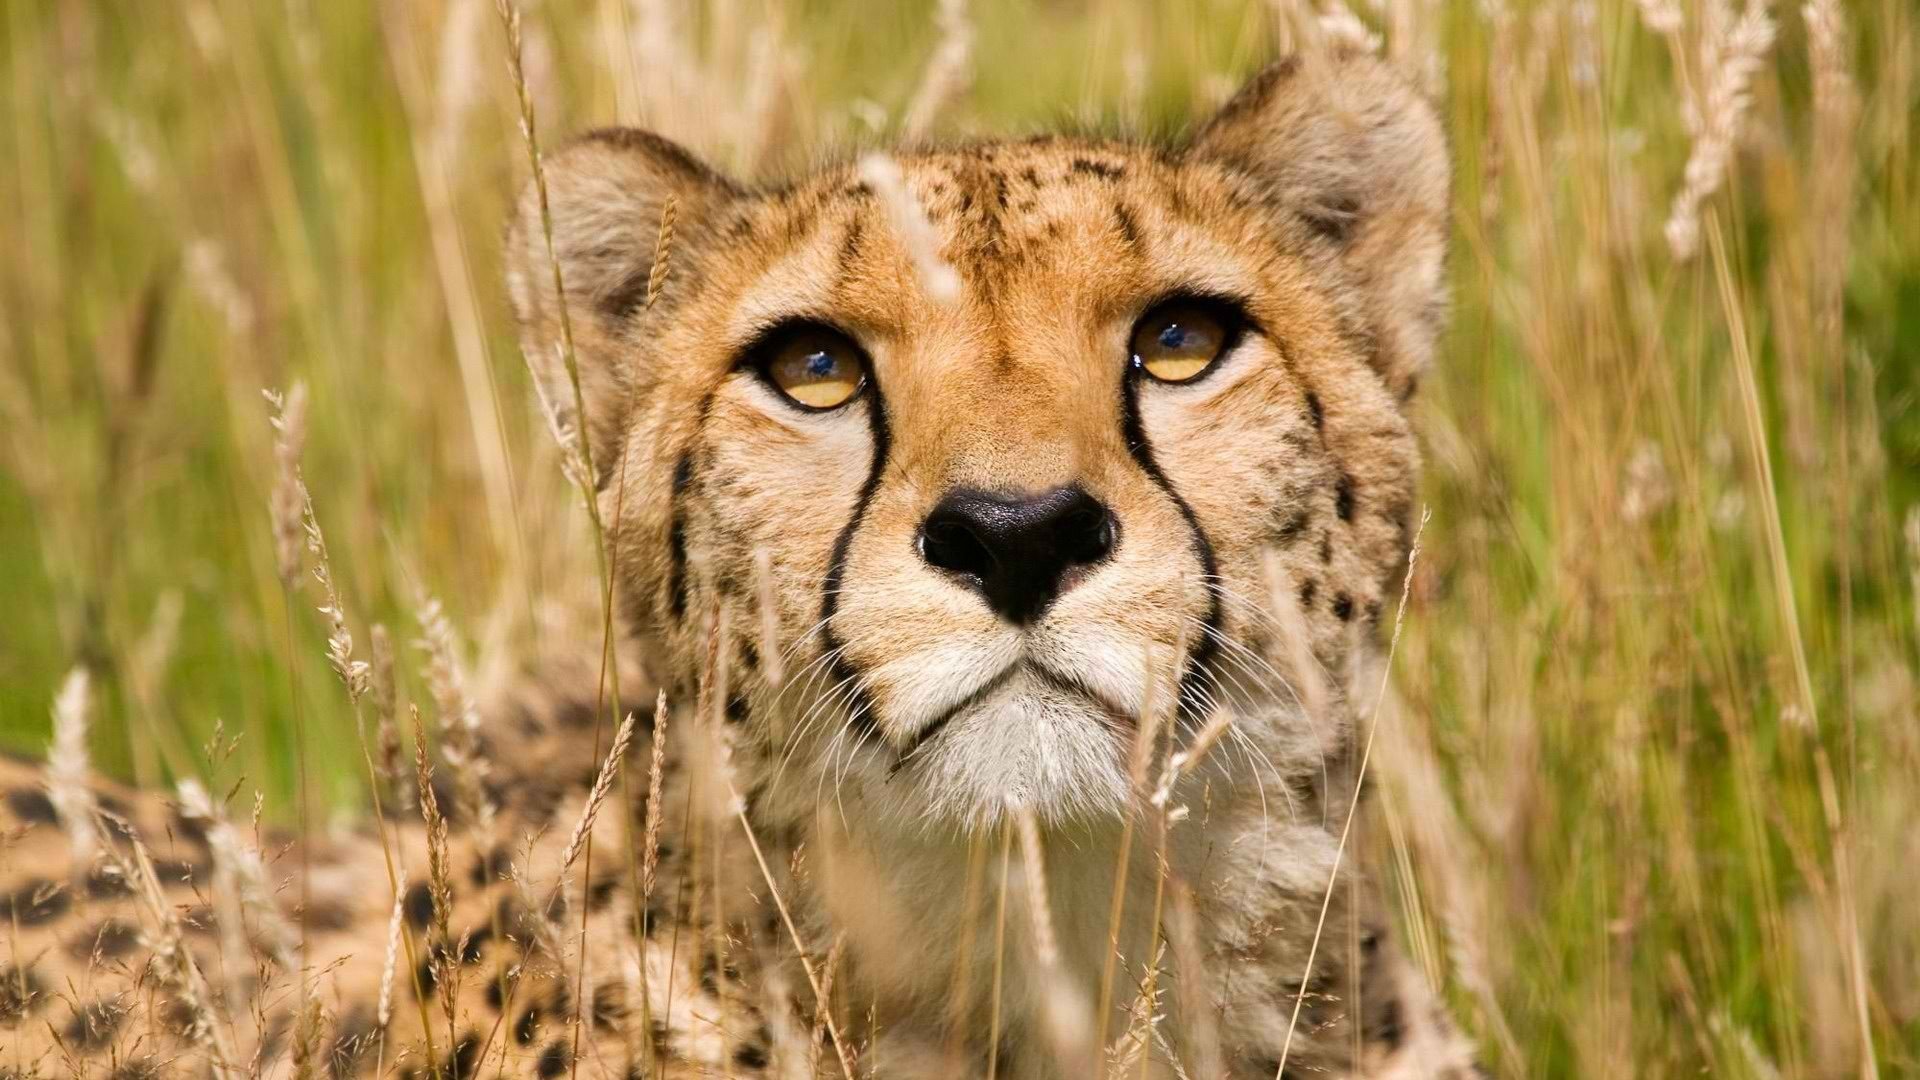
(1647, 787)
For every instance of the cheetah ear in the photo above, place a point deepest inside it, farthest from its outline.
(1345, 146)
(606, 192)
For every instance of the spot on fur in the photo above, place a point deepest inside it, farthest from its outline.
(554, 1060)
(1103, 170)
(178, 872)
(36, 901)
(527, 1025)
(1291, 528)
(1126, 225)
(105, 883)
(21, 993)
(463, 1057)
(418, 905)
(32, 806)
(491, 867)
(94, 1025)
(108, 939)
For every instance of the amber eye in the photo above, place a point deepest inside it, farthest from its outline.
(814, 366)
(1180, 339)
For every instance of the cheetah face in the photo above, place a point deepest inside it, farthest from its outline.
(1014, 436)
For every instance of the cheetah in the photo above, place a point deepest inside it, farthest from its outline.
(1014, 527)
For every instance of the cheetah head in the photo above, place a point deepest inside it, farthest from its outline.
(1003, 429)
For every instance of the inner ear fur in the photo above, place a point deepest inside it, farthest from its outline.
(1345, 144)
(606, 192)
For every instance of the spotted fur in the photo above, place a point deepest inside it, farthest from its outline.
(882, 776)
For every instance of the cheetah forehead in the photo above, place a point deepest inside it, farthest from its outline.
(999, 207)
(1047, 230)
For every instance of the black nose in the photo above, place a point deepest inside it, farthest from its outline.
(1019, 552)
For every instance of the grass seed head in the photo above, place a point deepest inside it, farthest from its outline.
(69, 765)
(289, 499)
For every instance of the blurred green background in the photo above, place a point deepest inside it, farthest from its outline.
(1648, 798)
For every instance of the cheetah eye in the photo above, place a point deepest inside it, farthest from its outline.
(1181, 339)
(814, 366)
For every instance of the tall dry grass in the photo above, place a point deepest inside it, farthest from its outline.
(1646, 780)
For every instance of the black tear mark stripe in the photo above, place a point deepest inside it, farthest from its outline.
(683, 482)
(677, 537)
(1200, 660)
(860, 707)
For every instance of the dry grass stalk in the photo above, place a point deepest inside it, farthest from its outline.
(546, 932)
(665, 59)
(1127, 1055)
(1159, 705)
(458, 83)
(384, 1013)
(1198, 1021)
(772, 661)
(353, 673)
(1663, 17)
(1033, 864)
(289, 499)
(1064, 1009)
(1353, 804)
(240, 876)
(145, 675)
(69, 765)
(840, 1046)
(602, 784)
(1339, 27)
(948, 73)
(1305, 677)
(153, 654)
(1912, 531)
(457, 717)
(563, 426)
(386, 714)
(579, 455)
(1835, 164)
(435, 122)
(656, 771)
(569, 358)
(1145, 746)
(172, 961)
(823, 1001)
(1184, 761)
(1731, 53)
(662, 250)
(439, 876)
(209, 276)
(917, 236)
(709, 699)
(306, 1039)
